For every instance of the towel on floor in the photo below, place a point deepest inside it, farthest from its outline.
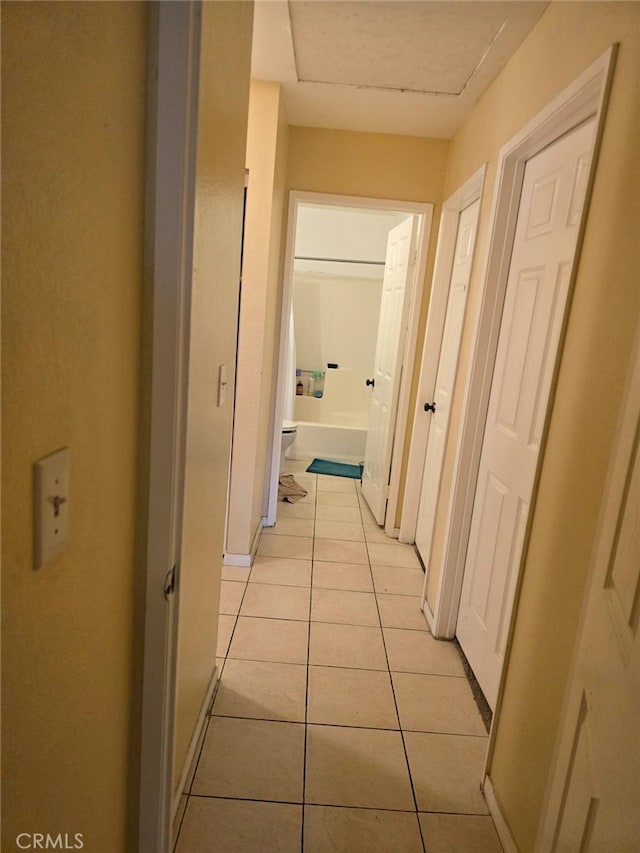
(289, 490)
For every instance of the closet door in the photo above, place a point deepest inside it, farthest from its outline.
(538, 285)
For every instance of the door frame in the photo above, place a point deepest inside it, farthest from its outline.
(469, 192)
(585, 98)
(620, 468)
(425, 210)
(174, 38)
(535, 312)
(235, 372)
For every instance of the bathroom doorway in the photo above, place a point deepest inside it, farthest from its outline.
(332, 335)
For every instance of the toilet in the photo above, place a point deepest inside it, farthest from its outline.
(288, 437)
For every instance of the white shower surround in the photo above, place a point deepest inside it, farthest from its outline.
(333, 318)
(336, 322)
(345, 401)
(336, 308)
(329, 426)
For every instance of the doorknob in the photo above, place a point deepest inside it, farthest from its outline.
(430, 407)
(371, 382)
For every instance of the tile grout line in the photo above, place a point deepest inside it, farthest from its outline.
(329, 622)
(395, 702)
(209, 715)
(337, 806)
(352, 668)
(236, 616)
(335, 588)
(346, 725)
(306, 692)
(176, 832)
(306, 704)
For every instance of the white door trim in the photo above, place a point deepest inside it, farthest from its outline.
(425, 210)
(499, 821)
(469, 192)
(584, 98)
(174, 38)
(620, 468)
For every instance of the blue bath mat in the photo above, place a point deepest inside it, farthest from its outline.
(336, 469)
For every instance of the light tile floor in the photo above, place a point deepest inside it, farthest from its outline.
(339, 723)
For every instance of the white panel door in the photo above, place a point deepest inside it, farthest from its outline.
(445, 377)
(387, 370)
(594, 802)
(538, 283)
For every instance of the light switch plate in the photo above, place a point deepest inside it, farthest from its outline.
(51, 505)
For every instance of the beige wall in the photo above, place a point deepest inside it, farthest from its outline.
(271, 348)
(267, 140)
(603, 314)
(222, 128)
(375, 165)
(73, 99)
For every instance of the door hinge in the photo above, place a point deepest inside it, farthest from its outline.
(170, 582)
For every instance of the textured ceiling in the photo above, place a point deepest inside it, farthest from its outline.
(417, 47)
(395, 66)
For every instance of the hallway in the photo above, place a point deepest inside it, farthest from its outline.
(333, 695)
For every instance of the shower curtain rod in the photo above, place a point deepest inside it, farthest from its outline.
(337, 260)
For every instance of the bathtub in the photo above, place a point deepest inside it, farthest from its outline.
(334, 426)
(337, 442)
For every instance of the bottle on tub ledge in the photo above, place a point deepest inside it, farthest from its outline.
(309, 383)
(318, 383)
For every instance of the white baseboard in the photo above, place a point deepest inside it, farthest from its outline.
(504, 833)
(198, 734)
(256, 539)
(245, 560)
(428, 615)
